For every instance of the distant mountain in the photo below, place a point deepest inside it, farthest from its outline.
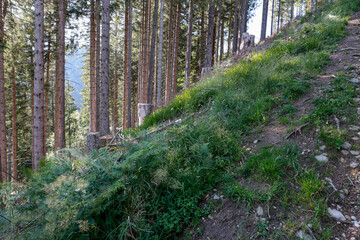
(73, 73)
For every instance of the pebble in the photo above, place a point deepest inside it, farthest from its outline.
(357, 224)
(345, 152)
(346, 145)
(355, 153)
(355, 80)
(259, 211)
(354, 165)
(300, 234)
(216, 197)
(336, 215)
(353, 218)
(322, 158)
(256, 141)
(322, 148)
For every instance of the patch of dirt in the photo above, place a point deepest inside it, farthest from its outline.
(234, 221)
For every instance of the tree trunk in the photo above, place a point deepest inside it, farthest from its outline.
(292, 9)
(2, 103)
(222, 40)
(236, 30)
(218, 35)
(272, 17)
(128, 118)
(210, 35)
(47, 87)
(152, 53)
(169, 57)
(38, 135)
(14, 127)
(62, 15)
(98, 66)
(92, 68)
(57, 86)
(279, 16)
(229, 40)
(159, 80)
(264, 19)
(125, 65)
(115, 100)
(202, 40)
(105, 50)
(176, 53)
(189, 44)
(244, 16)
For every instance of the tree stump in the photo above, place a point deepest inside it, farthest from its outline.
(92, 140)
(248, 41)
(144, 110)
(205, 71)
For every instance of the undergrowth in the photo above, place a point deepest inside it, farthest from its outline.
(153, 189)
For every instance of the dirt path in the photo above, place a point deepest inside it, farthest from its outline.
(232, 221)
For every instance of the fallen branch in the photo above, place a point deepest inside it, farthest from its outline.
(296, 130)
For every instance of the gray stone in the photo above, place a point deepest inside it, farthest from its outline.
(322, 158)
(336, 215)
(301, 235)
(346, 145)
(355, 153)
(354, 165)
(259, 211)
(322, 148)
(216, 197)
(345, 152)
(355, 80)
(355, 139)
(358, 111)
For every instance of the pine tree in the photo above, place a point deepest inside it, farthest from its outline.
(264, 19)
(189, 44)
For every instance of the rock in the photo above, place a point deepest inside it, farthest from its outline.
(355, 80)
(256, 141)
(353, 218)
(322, 148)
(354, 165)
(322, 158)
(216, 197)
(358, 111)
(346, 191)
(345, 152)
(259, 211)
(357, 224)
(346, 145)
(356, 100)
(342, 196)
(355, 139)
(355, 153)
(336, 215)
(355, 128)
(301, 235)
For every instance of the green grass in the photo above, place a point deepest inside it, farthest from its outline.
(154, 189)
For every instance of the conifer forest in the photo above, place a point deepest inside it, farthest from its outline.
(179, 119)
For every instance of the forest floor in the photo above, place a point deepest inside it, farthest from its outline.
(339, 172)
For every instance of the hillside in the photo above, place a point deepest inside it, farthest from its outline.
(265, 149)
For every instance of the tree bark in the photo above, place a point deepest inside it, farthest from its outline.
(189, 44)
(222, 40)
(152, 53)
(202, 40)
(38, 135)
(14, 127)
(125, 65)
(236, 30)
(161, 31)
(218, 34)
(92, 67)
(279, 16)
(244, 16)
(98, 66)
(105, 46)
(176, 53)
(57, 86)
(115, 100)
(169, 56)
(62, 15)
(292, 9)
(210, 35)
(128, 118)
(47, 87)
(264, 19)
(272, 17)
(2, 103)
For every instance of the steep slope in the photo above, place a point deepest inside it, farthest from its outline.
(153, 186)
(328, 150)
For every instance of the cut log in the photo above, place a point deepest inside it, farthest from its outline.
(144, 110)
(93, 140)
